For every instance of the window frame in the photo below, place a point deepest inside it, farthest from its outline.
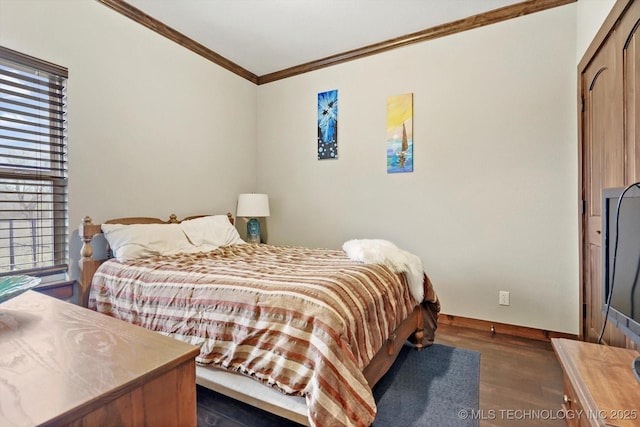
(55, 176)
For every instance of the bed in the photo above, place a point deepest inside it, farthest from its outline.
(304, 333)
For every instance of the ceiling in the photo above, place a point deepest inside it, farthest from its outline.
(266, 36)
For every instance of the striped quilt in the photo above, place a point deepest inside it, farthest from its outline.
(305, 321)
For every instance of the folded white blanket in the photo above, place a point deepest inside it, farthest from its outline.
(383, 252)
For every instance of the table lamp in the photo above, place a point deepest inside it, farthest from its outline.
(253, 206)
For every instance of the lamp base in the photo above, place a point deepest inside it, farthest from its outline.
(253, 231)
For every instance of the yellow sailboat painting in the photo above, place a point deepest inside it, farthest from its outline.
(400, 133)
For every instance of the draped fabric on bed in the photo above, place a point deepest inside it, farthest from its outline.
(305, 321)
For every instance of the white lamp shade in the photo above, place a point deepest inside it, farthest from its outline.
(253, 205)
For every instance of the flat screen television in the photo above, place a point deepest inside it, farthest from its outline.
(621, 260)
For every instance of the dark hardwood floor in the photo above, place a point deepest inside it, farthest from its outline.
(520, 379)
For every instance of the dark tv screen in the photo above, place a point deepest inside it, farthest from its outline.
(622, 265)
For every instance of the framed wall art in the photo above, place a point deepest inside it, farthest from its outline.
(400, 133)
(328, 125)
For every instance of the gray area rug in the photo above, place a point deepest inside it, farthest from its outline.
(438, 386)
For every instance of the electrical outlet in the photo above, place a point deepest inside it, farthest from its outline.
(503, 298)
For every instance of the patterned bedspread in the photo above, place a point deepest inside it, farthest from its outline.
(305, 321)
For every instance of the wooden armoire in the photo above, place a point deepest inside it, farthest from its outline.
(609, 144)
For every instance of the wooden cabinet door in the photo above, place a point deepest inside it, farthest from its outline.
(610, 144)
(629, 38)
(603, 161)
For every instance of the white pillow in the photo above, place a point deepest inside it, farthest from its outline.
(144, 240)
(214, 231)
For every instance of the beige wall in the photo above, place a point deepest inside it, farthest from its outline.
(492, 203)
(153, 128)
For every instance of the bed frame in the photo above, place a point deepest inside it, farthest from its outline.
(243, 388)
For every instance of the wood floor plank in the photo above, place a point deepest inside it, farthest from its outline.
(520, 379)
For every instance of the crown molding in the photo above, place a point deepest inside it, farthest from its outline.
(502, 14)
(475, 21)
(153, 24)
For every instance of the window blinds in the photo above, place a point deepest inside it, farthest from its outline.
(33, 166)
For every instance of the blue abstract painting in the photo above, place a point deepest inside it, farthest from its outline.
(328, 125)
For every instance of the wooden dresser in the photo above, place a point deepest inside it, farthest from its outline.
(599, 386)
(62, 364)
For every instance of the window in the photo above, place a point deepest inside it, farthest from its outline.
(33, 166)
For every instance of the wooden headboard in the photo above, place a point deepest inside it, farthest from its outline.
(88, 230)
